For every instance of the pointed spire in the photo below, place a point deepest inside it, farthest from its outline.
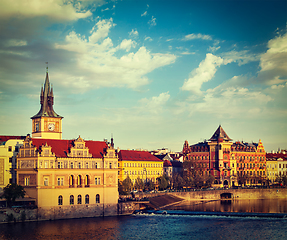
(47, 100)
(220, 134)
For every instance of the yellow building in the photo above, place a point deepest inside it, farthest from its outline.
(9, 146)
(67, 178)
(272, 168)
(139, 164)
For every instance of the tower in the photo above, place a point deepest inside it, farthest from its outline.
(47, 123)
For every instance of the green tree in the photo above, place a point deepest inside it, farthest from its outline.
(198, 181)
(177, 181)
(11, 192)
(163, 182)
(188, 181)
(125, 186)
(139, 184)
(210, 180)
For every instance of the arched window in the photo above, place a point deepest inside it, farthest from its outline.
(87, 165)
(60, 200)
(72, 165)
(79, 199)
(72, 200)
(79, 181)
(87, 199)
(71, 181)
(79, 165)
(87, 181)
(110, 165)
(97, 198)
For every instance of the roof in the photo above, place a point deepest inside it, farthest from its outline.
(276, 155)
(47, 101)
(167, 163)
(6, 138)
(131, 155)
(61, 148)
(220, 134)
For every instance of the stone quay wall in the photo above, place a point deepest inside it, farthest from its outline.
(269, 193)
(59, 212)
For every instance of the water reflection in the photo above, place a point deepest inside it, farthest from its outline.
(248, 205)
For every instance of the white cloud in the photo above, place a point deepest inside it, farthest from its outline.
(144, 14)
(102, 28)
(96, 63)
(273, 63)
(55, 9)
(16, 43)
(133, 33)
(196, 36)
(148, 39)
(152, 22)
(155, 104)
(204, 73)
(241, 57)
(127, 44)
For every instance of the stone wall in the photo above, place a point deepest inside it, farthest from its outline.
(59, 212)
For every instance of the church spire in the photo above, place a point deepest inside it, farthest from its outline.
(46, 101)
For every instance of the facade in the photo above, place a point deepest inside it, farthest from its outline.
(140, 164)
(276, 166)
(230, 163)
(66, 178)
(9, 147)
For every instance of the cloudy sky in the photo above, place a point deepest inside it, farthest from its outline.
(151, 73)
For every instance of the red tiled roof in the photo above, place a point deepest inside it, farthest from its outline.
(6, 138)
(62, 147)
(131, 155)
(167, 163)
(276, 155)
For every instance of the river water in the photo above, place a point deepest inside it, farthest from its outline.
(155, 226)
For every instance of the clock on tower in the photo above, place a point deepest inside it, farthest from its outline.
(47, 123)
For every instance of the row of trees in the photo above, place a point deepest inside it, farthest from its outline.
(177, 182)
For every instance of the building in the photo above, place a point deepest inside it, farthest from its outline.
(140, 164)
(276, 166)
(9, 147)
(230, 163)
(67, 178)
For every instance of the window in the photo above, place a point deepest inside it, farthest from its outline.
(46, 164)
(60, 181)
(87, 165)
(79, 165)
(79, 199)
(60, 164)
(10, 149)
(72, 200)
(10, 160)
(46, 181)
(87, 181)
(96, 166)
(60, 200)
(71, 165)
(97, 181)
(97, 198)
(110, 165)
(79, 182)
(16, 149)
(87, 199)
(71, 181)
(27, 181)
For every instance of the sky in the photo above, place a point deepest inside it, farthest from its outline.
(152, 74)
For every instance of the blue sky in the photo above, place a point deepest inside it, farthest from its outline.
(151, 73)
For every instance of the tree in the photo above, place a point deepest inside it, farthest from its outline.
(139, 184)
(177, 181)
(163, 182)
(125, 186)
(209, 181)
(11, 192)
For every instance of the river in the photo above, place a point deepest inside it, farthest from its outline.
(154, 226)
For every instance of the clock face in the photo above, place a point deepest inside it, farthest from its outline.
(51, 126)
